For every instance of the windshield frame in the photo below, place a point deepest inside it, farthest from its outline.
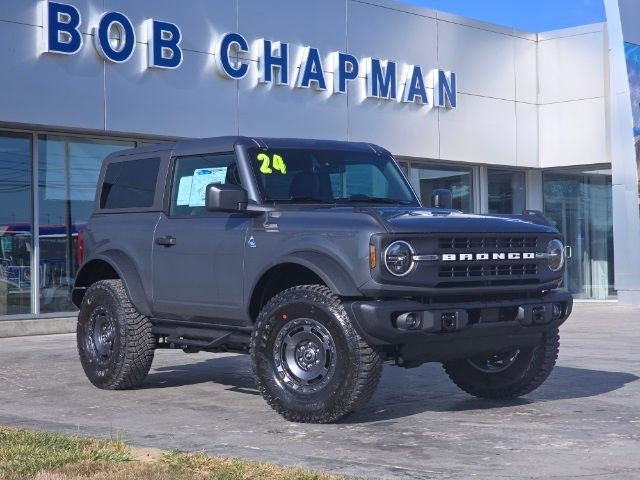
(251, 152)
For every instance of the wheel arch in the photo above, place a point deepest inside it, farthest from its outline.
(112, 264)
(301, 268)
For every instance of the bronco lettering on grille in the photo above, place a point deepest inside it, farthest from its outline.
(463, 257)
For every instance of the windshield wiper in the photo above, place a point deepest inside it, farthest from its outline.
(305, 199)
(368, 199)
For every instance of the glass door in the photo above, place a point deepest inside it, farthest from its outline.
(15, 224)
(579, 202)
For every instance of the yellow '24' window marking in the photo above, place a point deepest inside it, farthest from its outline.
(269, 164)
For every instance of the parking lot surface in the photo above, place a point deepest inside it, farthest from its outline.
(584, 421)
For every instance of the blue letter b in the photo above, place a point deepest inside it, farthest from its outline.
(61, 30)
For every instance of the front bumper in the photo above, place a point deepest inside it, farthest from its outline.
(449, 331)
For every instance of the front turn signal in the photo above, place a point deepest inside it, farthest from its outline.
(373, 257)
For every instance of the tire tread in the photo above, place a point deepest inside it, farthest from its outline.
(537, 371)
(140, 342)
(368, 364)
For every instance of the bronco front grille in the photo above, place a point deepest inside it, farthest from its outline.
(460, 242)
(468, 271)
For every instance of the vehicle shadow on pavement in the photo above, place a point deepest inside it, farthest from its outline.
(443, 396)
(233, 371)
(401, 392)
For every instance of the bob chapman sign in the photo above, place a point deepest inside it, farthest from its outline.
(115, 41)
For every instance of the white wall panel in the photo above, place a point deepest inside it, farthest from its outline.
(301, 23)
(22, 11)
(200, 21)
(404, 129)
(382, 33)
(571, 31)
(48, 89)
(283, 111)
(480, 130)
(491, 27)
(30, 12)
(484, 61)
(191, 101)
(401, 6)
(527, 135)
(526, 70)
(571, 68)
(572, 133)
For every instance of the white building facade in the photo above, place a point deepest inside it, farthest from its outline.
(507, 120)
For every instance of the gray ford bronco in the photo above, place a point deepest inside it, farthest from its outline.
(317, 258)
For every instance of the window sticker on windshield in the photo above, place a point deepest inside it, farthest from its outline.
(201, 178)
(269, 164)
(184, 191)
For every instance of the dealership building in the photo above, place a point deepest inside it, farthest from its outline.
(507, 120)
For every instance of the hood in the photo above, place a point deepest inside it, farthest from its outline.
(424, 220)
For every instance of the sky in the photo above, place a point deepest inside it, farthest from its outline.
(528, 15)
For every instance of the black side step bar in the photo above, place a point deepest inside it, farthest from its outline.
(201, 337)
(203, 344)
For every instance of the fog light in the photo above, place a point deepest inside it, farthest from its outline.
(558, 311)
(409, 321)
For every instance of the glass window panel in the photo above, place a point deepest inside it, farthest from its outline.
(425, 179)
(192, 175)
(15, 224)
(506, 191)
(579, 202)
(404, 166)
(68, 174)
(331, 176)
(130, 184)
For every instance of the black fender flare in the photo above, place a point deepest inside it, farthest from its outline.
(127, 272)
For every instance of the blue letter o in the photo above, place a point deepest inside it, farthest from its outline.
(101, 38)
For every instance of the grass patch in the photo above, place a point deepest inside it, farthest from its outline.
(47, 456)
(24, 453)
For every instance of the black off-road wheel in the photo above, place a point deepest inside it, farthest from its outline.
(308, 361)
(115, 342)
(509, 374)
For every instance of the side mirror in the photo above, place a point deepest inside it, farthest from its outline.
(442, 198)
(225, 198)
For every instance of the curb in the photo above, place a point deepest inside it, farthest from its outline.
(38, 326)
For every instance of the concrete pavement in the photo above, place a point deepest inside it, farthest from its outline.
(585, 421)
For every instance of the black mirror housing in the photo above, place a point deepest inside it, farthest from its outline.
(442, 198)
(225, 198)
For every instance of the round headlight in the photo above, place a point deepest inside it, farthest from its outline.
(398, 258)
(555, 255)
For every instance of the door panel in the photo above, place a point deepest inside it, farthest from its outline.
(198, 256)
(201, 274)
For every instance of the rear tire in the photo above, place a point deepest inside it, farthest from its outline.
(308, 361)
(507, 375)
(115, 342)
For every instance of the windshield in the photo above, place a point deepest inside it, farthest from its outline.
(329, 176)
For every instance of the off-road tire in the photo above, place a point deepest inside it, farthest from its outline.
(530, 369)
(357, 365)
(132, 342)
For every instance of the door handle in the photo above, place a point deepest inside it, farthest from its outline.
(167, 241)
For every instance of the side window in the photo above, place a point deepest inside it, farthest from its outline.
(191, 175)
(130, 184)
